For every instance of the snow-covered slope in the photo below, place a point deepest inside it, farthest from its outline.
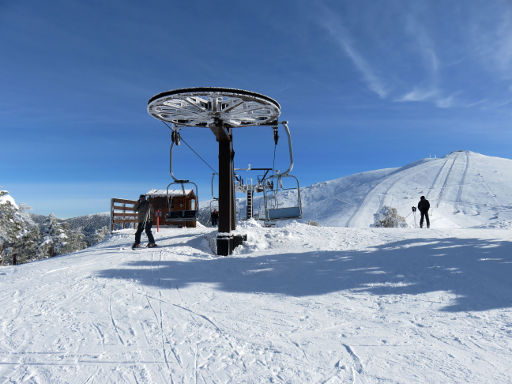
(465, 190)
(297, 304)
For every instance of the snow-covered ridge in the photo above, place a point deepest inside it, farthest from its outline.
(465, 190)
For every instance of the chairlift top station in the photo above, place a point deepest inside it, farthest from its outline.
(220, 110)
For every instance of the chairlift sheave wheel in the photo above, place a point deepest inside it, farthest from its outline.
(207, 106)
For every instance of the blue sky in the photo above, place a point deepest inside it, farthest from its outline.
(364, 84)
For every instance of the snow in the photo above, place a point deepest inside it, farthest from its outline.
(7, 199)
(465, 190)
(294, 304)
(171, 192)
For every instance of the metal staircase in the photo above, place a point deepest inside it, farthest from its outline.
(249, 205)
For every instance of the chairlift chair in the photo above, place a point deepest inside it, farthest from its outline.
(180, 215)
(273, 208)
(214, 205)
(274, 186)
(214, 202)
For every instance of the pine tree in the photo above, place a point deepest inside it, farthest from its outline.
(53, 236)
(101, 234)
(9, 230)
(19, 235)
(58, 238)
(75, 239)
(388, 217)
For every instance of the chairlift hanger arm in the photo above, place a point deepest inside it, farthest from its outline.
(170, 161)
(213, 179)
(267, 170)
(175, 130)
(288, 134)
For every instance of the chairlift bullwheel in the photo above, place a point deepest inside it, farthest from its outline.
(205, 106)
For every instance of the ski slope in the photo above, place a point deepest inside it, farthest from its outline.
(295, 304)
(465, 190)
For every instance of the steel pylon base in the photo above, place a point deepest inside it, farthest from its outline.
(226, 243)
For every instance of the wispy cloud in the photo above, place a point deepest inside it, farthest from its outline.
(334, 26)
(446, 102)
(426, 50)
(438, 98)
(433, 96)
(503, 54)
(417, 95)
(424, 45)
(426, 54)
(492, 42)
(371, 79)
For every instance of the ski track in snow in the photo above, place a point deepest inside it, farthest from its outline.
(445, 182)
(463, 181)
(379, 193)
(436, 178)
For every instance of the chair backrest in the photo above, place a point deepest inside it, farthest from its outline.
(284, 213)
(180, 215)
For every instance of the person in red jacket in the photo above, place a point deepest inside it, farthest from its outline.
(423, 207)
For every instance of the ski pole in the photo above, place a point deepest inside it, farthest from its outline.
(146, 218)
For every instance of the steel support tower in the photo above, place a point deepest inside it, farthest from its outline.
(221, 110)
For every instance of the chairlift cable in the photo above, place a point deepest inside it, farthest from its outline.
(274, 160)
(275, 131)
(198, 155)
(192, 149)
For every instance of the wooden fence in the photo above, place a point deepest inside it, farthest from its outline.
(122, 212)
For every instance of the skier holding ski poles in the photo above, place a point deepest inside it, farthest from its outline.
(145, 214)
(423, 207)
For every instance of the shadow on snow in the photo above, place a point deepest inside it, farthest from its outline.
(477, 271)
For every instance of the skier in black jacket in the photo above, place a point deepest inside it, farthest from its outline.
(145, 218)
(423, 207)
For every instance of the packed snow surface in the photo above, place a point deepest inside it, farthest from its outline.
(294, 304)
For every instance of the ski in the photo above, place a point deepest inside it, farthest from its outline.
(149, 245)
